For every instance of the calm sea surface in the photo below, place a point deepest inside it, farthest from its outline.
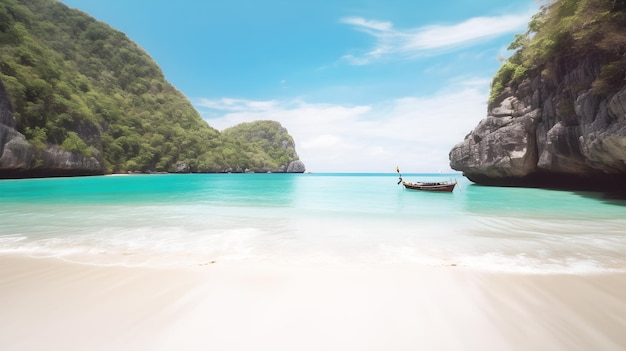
(173, 220)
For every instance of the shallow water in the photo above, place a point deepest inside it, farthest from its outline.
(195, 219)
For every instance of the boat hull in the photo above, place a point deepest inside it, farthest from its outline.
(436, 186)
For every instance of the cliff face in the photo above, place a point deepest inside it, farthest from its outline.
(557, 112)
(271, 147)
(19, 159)
(80, 98)
(266, 141)
(549, 132)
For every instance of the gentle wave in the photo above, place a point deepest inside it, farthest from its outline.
(349, 220)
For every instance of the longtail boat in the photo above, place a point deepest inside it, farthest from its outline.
(443, 186)
(431, 186)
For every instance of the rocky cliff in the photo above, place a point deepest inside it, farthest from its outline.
(277, 150)
(81, 98)
(20, 159)
(553, 128)
(538, 134)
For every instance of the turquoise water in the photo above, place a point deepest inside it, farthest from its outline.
(171, 220)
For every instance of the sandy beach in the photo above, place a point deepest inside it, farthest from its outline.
(48, 304)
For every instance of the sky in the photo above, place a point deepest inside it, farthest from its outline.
(361, 85)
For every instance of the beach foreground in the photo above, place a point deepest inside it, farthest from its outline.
(48, 304)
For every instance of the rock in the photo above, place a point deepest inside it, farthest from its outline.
(15, 152)
(183, 168)
(544, 134)
(296, 167)
(499, 147)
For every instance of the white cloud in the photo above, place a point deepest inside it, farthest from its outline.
(368, 25)
(433, 37)
(324, 141)
(415, 133)
(427, 40)
(231, 104)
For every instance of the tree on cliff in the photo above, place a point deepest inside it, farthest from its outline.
(567, 29)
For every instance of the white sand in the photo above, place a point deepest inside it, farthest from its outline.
(46, 304)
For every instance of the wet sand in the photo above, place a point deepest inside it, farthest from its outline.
(47, 304)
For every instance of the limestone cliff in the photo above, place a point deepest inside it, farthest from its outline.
(554, 127)
(81, 98)
(527, 138)
(19, 158)
(276, 148)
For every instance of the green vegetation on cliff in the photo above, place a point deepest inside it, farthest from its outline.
(75, 82)
(566, 29)
(268, 136)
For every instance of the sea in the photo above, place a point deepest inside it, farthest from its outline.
(191, 220)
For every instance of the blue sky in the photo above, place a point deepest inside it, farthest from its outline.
(361, 85)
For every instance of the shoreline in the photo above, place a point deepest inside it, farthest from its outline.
(55, 305)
